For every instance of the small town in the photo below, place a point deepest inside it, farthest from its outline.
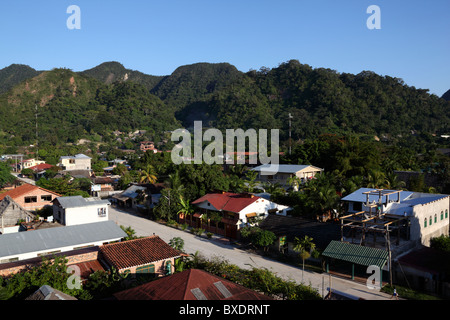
(229, 159)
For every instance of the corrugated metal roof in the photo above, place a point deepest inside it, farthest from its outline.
(365, 256)
(283, 168)
(359, 196)
(79, 201)
(53, 238)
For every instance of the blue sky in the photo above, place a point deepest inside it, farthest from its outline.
(156, 37)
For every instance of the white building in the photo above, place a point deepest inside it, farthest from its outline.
(76, 162)
(281, 173)
(76, 210)
(241, 208)
(428, 214)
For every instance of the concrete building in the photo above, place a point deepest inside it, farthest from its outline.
(425, 215)
(283, 172)
(76, 210)
(31, 197)
(76, 162)
(11, 213)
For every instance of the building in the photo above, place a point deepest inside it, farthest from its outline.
(415, 215)
(46, 242)
(148, 146)
(11, 213)
(286, 229)
(282, 173)
(131, 197)
(102, 186)
(234, 211)
(76, 210)
(40, 169)
(192, 284)
(46, 292)
(31, 197)
(149, 257)
(28, 164)
(76, 162)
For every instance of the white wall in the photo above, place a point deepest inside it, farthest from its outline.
(436, 229)
(81, 215)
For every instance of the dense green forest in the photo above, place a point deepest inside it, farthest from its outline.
(94, 103)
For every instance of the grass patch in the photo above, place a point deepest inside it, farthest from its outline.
(409, 294)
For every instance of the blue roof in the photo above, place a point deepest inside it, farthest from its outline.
(359, 196)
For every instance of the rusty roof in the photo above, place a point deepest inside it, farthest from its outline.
(192, 284)
(137, 252)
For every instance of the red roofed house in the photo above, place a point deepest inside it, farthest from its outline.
(31, 197)
(236, 211)
(41, 167)
(149, 256)
(192, 284)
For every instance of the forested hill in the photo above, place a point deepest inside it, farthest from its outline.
(14, 74)
(446, 95)
(113, 71)
(71, 106)
(109, 97)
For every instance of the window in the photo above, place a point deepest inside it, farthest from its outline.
(46, 198)
(102, 212)
(168, 267)
(442, 215)
(30, 199)
(425, 223)
(357, 206)
(431, 220)
(446, 213)
(146, 272)
(435, 218)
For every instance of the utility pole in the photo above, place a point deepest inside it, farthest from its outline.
(37, 141)
(290, 143)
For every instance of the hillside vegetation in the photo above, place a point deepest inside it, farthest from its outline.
(73, 105)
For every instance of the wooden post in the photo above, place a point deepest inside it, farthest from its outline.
(353, 271)
(363, 235)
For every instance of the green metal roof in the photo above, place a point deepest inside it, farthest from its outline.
(356, 254)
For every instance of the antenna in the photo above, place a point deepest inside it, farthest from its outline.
(37, 141)
(290, 117)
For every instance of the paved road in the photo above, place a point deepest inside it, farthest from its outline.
(218, 247)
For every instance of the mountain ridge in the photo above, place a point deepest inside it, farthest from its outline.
(111, 97)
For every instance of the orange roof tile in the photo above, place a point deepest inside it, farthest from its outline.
(233, 202)
(137, 252)
(23, 190)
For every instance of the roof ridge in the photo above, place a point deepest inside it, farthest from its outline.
(131, 240)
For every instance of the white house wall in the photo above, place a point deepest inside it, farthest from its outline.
(260, 206)
(436, 229)
(81, 215)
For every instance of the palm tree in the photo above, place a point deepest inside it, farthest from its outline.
(186, 207)
(375, 179)
(148, 175)
(294, 181)
(392, 182)
(304, 246)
